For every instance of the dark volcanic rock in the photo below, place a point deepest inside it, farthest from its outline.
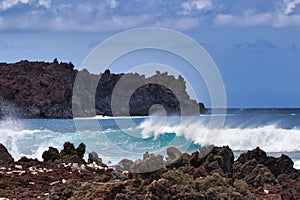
(253, 173)
(38, 89)
(5, 157)
(70, 154)
(51, 154)
(200, 176)
(214, 159)
(46, 90)
(281, 165)
(93, 157)
(259, 155)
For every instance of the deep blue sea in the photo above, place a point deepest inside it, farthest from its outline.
(276, 131)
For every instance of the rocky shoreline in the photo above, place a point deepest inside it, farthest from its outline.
(46, 90)
(210, 173)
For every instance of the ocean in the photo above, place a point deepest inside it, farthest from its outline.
(276, 131)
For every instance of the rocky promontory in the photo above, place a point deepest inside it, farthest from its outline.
(209, 173)
(45, 90)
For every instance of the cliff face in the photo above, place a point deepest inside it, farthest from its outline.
(37, 89)
(44, 90)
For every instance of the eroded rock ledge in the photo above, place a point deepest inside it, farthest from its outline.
(210, 173)
(45, 90)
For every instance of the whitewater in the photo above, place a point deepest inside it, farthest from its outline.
(276, 131)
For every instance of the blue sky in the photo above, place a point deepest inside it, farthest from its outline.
(255, 44)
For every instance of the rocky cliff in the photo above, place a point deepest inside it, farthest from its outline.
(45, 90)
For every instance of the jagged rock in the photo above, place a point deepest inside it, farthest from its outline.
(214, 159)
(289, 188)
(125, 164)
(281, 165)
(51, 154)
(70, 154)
(80, 150)
(253, 173)
(46, 90)
(67, 154)
(173, 154)
(146, 155)
(5, 157)
(152, 163)
(195, 172)
(259, 155)
(183, 160)
(93, 157)
(32, 179)
(277, 166)
(68, 150)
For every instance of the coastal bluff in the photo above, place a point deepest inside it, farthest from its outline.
(45, 90)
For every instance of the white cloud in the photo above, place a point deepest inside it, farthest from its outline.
(247, 20)
(184, 23)
(45, 3)
(6, 4)
(290, 5)
(113, 3)
(196, 5)
(261, 19)
(286, 20)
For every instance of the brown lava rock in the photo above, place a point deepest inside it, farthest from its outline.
(204, 175)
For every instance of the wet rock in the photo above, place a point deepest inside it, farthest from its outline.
(51, 154)
(5, 157)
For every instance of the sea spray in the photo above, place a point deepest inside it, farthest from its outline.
(270, 137)
(31, 137)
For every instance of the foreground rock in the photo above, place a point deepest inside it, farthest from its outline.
(209, 173)
(5, 157)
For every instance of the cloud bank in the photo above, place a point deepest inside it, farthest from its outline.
(116, 15)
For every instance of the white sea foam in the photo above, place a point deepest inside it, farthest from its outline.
(110, 117)
(297, 165)
(32, 143)
(269, 138)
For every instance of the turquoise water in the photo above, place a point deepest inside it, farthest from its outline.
(274, 130)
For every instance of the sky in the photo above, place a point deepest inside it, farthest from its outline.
(255, 44)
